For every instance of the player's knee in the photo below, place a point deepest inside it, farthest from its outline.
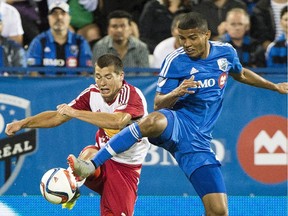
(217, 210)
(88, 152)
(215, 204)
(153, 124)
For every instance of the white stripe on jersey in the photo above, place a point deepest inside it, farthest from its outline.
(124, 95)
(169, 59)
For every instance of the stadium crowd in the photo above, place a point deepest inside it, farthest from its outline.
(74, 33)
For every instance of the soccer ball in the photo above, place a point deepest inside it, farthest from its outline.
(58, 186)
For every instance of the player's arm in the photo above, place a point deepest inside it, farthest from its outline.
(117, 120)
(168, 100)
(249, 77)
(46, 119)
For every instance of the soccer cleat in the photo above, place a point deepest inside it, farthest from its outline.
(80, 168)
(70, 204)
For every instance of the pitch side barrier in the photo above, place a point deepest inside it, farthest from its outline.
(130, 71)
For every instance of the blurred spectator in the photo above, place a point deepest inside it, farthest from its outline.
(133, 7)
(156, 18)
(82, 22)
(265, 20)
(12, 54)
(168, 45)
(249, 50)
(276, 55)
(11, 19)
(30, 18)
(59, 47)
(215, 12)
(132, 51)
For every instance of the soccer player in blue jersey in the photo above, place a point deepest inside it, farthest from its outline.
(188, 101)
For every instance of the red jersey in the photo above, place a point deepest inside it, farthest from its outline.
(128, 100)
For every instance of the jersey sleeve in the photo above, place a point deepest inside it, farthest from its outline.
(166, 85)
(35, 53)
(82, 101)
(135, 104)
(85, 59)
(236, 65)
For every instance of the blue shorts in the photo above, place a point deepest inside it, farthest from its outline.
(181, 140)
(208, 179)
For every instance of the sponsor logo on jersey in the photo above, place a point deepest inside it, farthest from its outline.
(13, 149)
(47, 49)
(206, 83)
(71, 62)
(262, 149)
(53, 62)
(222, 64)
(193, 71)
(222, 80)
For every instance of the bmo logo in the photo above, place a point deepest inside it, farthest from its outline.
(262, 149)
(159, 156)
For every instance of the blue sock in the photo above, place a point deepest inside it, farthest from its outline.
(118, 143)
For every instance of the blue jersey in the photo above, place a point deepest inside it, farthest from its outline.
(44, 51)
(198, 112)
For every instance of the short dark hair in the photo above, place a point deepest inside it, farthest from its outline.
(283, 11)
(175, 21)
(120, 14)
(193, 20)
(109, 60)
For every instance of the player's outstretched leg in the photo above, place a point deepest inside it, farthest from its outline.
(80, 168)
(86, 154)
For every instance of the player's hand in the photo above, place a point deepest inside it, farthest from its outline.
(282, 88)
(66, 110)
(12, 128)
(186, 87)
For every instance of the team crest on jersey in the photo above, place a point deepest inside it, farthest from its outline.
(13, 149)
(74, 49)
(223, 64)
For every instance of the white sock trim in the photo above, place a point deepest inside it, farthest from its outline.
(134, 131)
(110, 150)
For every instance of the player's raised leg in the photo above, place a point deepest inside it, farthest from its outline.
(151, 126)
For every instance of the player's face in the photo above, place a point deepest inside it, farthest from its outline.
(194, 42)
(119, 29)
(59, 20)
(237, 24)
(108, 81)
